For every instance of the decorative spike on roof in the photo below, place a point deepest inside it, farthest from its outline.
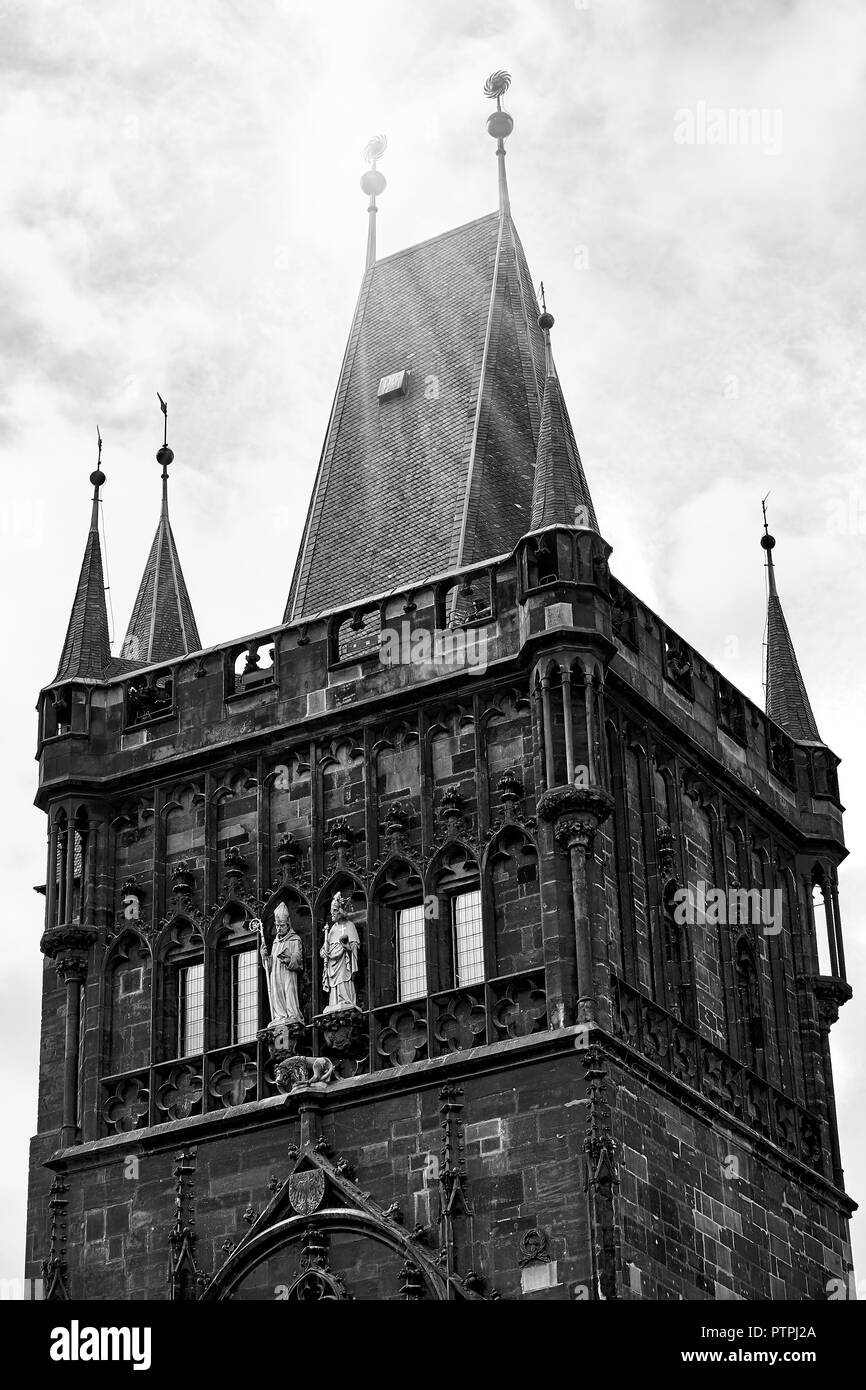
(560, 495)
(87, 649)
(500, 125)
(373, 183)
(786, 700)
(162, 625)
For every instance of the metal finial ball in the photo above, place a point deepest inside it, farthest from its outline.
(499, 124)
(546, 321)
(165, 456)
(373, 183)
(97, 478)
(768, 541)
(375, 148)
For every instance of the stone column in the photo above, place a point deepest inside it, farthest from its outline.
(68, 948)
(575, 814)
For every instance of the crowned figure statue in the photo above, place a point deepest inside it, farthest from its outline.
(340, 957)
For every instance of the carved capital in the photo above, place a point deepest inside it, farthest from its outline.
(578, 833)
(830, 994)
(575, 801)
(71, 967)
(576, 813)
(70, 938)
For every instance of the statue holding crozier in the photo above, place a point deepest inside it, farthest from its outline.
(283, 964)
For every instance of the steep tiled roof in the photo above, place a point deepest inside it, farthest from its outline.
(560, 485)
(441, 476)
(787, 701)
(87, 649)
(162, 625)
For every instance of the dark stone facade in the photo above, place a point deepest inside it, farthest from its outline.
(623, 1107)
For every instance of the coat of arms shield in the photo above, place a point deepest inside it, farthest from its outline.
(306, 1191)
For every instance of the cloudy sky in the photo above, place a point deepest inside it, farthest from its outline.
(180, 212)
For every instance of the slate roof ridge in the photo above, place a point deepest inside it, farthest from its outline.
(162, 626)
(786, 696)
(300, 577)
(431, 240)
(86, 649)
(560, 482)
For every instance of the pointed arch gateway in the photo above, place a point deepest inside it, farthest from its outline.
(322, 1238)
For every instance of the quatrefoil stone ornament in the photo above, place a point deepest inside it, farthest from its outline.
(234, 1080)
(521, 1010)
(462, 1025)
(126, 1107)
(403, 1038)
(180, 1094)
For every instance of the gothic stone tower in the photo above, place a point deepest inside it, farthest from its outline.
(564, 1076)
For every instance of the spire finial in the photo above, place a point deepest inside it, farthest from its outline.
(545, 323)
(165, 455)
(97, 478)
(499, 125)
(767, 544)
(373, 183)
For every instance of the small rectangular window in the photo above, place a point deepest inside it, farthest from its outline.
(468, 938)
(411, 953)
(245, 997)
(191, 1010)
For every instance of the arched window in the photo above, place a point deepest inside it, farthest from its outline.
(233, 1012)
(57, 883)
(128, 980)
(749, 1006)
(180, 1027)
(467, 600)
(80, 842)
(456, 908)
(400, 946)
(513, 881)
(679, 971)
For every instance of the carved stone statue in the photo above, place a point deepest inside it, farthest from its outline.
(282, 968)
(340, 956)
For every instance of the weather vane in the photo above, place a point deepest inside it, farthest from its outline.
(374, 184)
(165, 455)
(499, 125)
(97, 477)
(496, 86)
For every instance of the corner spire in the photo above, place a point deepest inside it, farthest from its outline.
(560, 495)
(374, 184)
(162, 625)
(500, 125)
(87, 650)
(787, 703)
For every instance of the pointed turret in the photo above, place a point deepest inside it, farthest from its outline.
(786, 698)
(560, 496)
(87, 649)
(162, 625)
